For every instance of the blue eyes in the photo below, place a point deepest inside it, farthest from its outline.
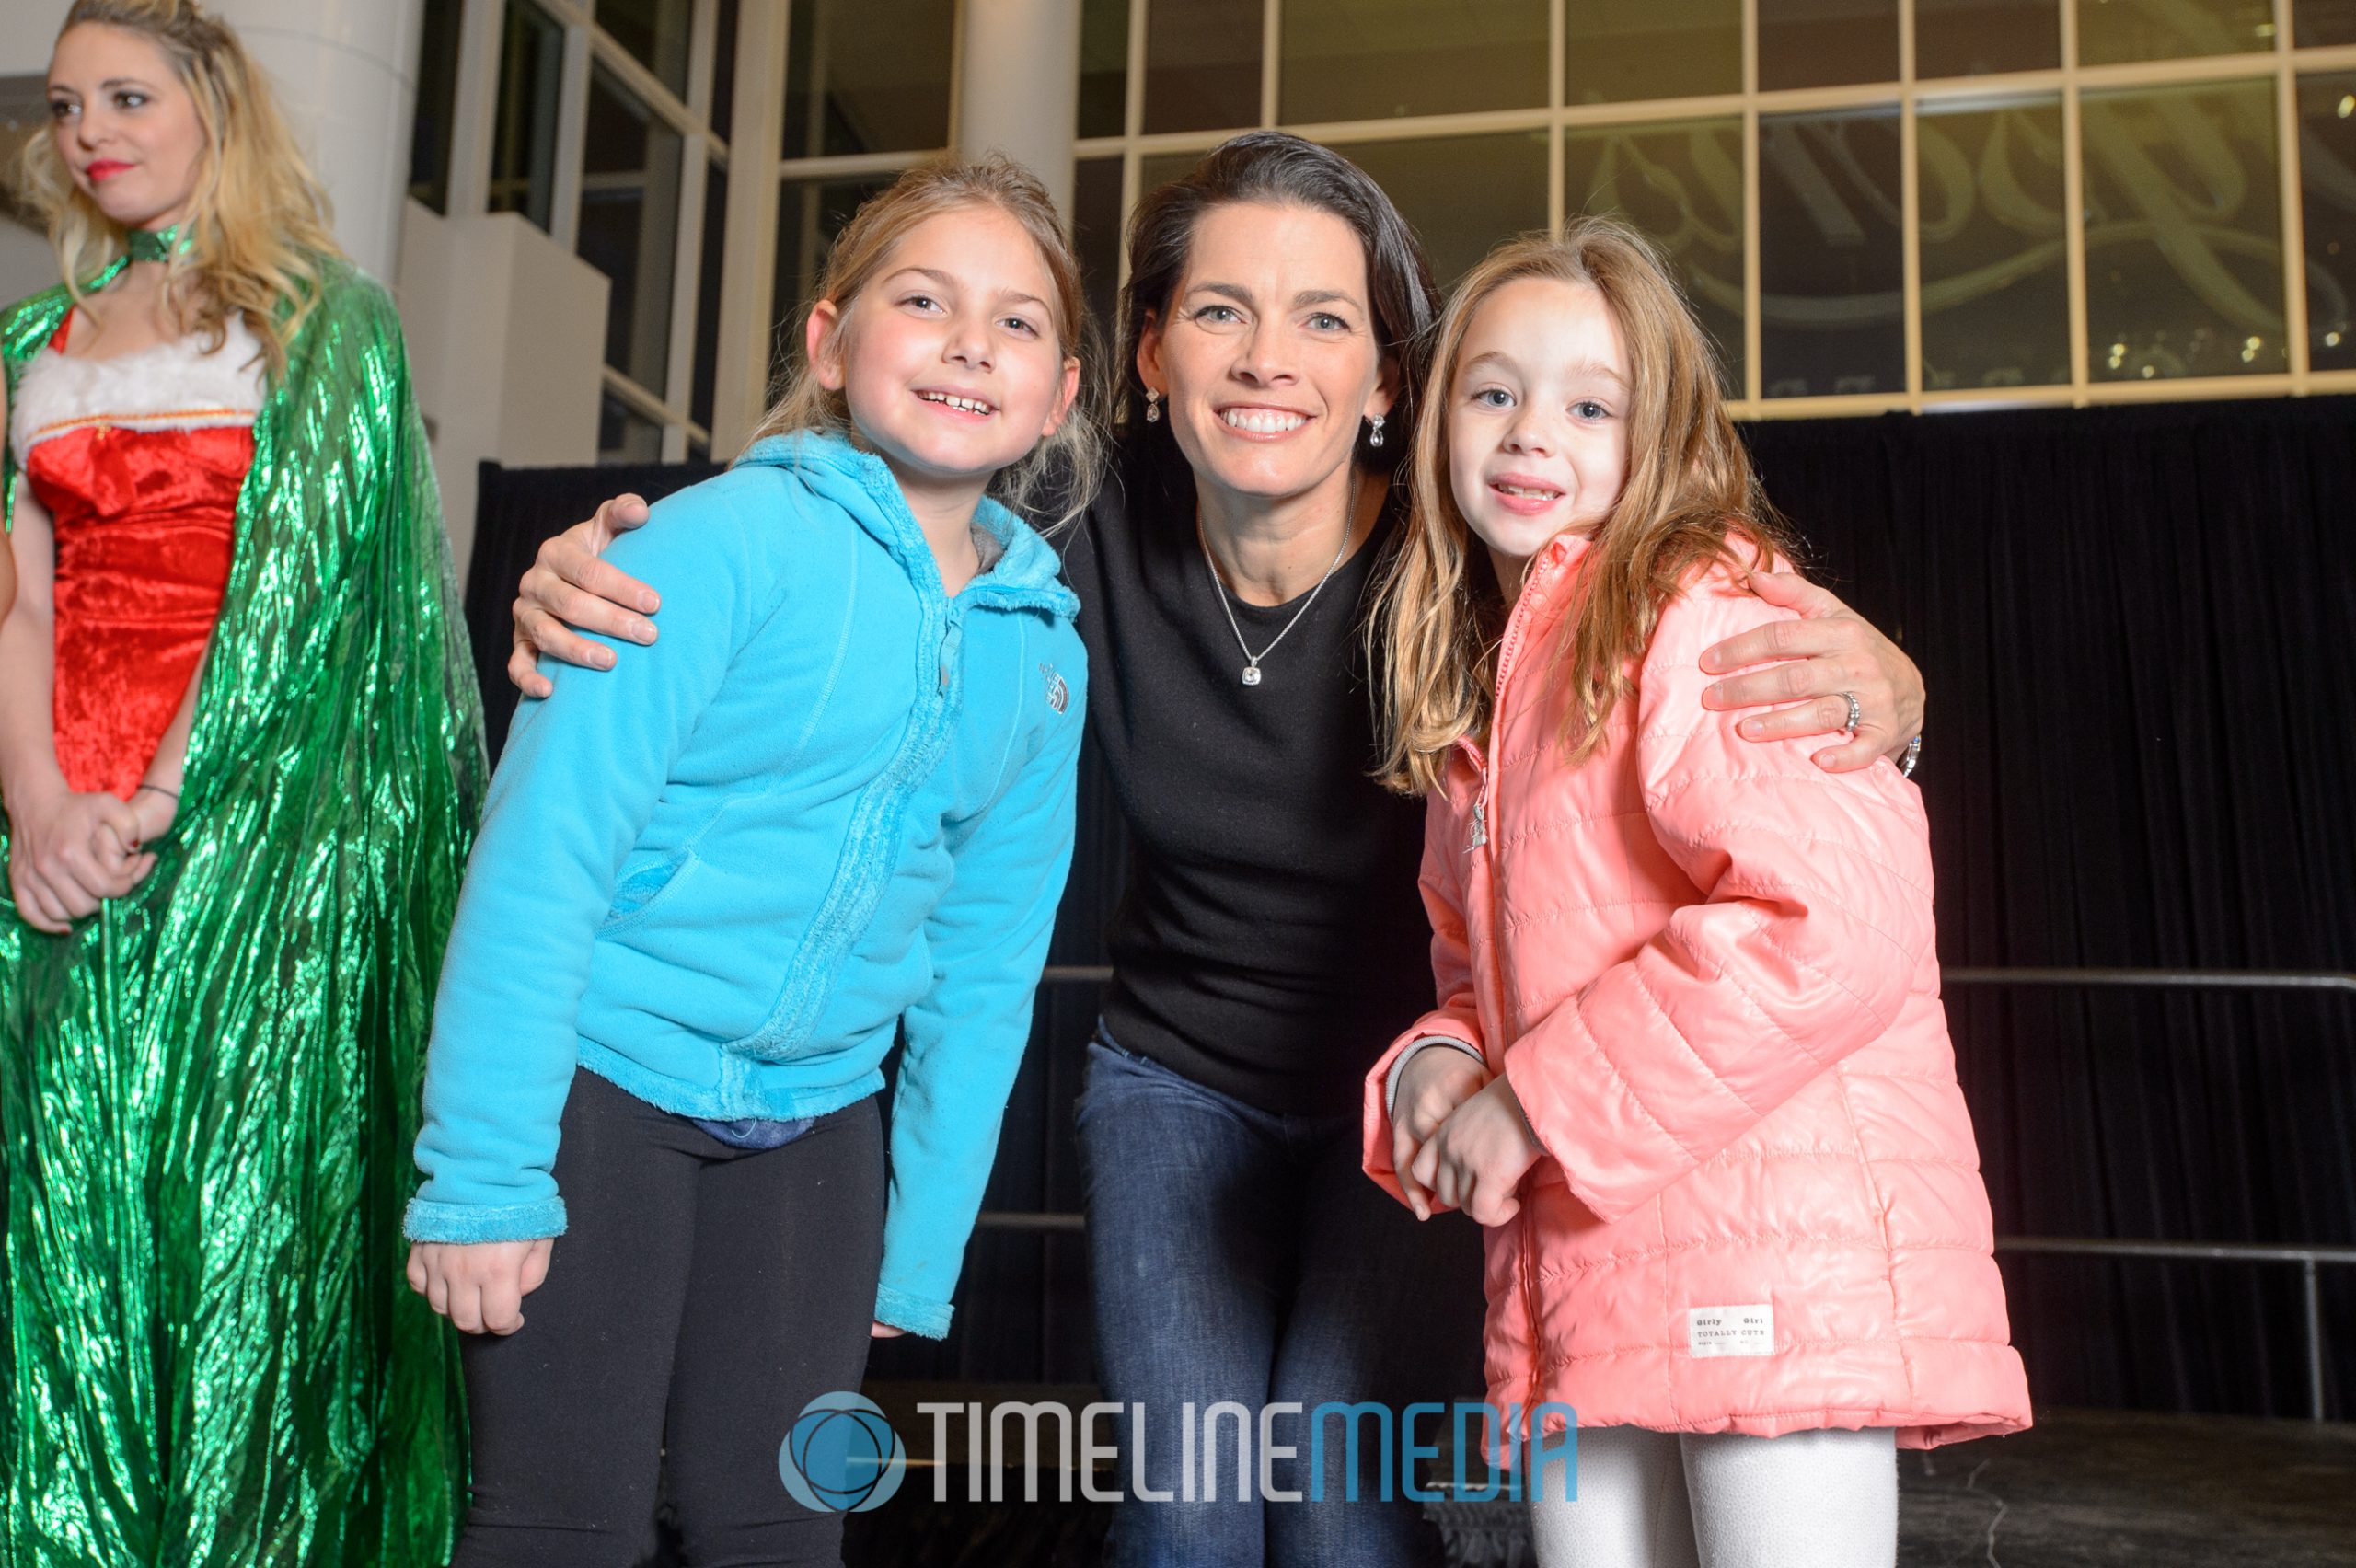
(1586, 408)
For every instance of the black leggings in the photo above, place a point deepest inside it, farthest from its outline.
(703, 1295)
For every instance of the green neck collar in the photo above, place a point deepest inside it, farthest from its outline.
(155, 245)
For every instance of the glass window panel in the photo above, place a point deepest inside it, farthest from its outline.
(723, 71)
(1461, 194)
(655, 32)
(1826, 43)
(2111, 31)
(2320, 24)
(1994, 247)
(1096, 238)
(1103, 67)
(1202, 64)
(1831, 258)
(810, 212)
(523, 153)
(1621, 51)
(2327, 178)
(1979, 38)
(629, 226)
(1380, 59)
(625, 435)
(437, 94)
(708, 281)
(2184, 233)
(1683, 185)
(868, 76)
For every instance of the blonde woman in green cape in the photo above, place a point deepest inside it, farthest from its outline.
(241, 756)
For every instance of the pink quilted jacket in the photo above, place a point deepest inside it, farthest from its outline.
(1706, 967)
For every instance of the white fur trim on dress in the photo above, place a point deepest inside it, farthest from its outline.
(168, 386)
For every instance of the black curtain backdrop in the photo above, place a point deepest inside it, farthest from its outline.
(2135, 627)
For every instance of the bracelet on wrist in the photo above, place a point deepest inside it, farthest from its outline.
(159, 789)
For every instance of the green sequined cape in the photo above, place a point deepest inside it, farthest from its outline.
(209, 1091)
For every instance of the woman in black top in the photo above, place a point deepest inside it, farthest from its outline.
(1272, 940)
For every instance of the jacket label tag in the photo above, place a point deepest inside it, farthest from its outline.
(1731, 1331)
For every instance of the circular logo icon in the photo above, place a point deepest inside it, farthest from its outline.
(842, 1457)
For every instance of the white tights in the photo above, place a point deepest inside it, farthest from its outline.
(1816, 1499)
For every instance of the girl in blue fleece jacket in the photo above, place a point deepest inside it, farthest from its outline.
(832, 805)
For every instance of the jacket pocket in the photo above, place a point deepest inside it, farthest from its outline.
(645, 891)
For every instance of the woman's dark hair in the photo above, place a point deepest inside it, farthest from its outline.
(1272, 166)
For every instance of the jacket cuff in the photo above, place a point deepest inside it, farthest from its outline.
(928, 1319)
(1399, 1065)
(466, 1222)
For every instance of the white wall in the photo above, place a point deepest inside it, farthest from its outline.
(346, 75)
(506, 335)
(24, 36)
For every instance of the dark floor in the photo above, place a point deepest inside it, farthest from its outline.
(2103, 1487)
(2083, 1488)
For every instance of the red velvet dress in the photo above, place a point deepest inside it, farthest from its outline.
(138, 460)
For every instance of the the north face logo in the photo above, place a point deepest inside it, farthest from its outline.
(1058, 694)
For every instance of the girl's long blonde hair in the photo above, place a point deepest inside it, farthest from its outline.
(1689, 498)
(258, 236)
(1058, 477)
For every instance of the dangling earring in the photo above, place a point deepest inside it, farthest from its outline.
(1152, 406)
(1374, 436)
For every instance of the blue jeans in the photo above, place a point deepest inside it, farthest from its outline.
(1244, 1256)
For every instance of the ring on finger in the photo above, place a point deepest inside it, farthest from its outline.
(1857, 711)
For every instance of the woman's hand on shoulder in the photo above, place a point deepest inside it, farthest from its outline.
(479, 1285)
(570, 590)
(72, 851)
(1815, 663)
(1432, 1084)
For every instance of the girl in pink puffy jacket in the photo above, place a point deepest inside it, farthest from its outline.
(1689, 1065)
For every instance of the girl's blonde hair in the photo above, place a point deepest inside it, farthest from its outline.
(1057, 477)
(1688, 499)
(257, 236)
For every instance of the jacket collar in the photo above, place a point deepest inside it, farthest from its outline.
(1028, 573)
(1546, 588)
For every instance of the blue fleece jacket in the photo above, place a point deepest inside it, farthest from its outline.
(831, 804)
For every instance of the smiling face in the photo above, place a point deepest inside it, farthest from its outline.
(1538, 406)
(126, 125)
(1268, 359)
(949, 359)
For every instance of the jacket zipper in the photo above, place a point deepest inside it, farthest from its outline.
(1517, 625)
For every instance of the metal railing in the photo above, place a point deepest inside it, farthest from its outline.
(2310, 1258)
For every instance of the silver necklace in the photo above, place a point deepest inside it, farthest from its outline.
(1218, 585)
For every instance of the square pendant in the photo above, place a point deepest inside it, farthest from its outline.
(1251, 674)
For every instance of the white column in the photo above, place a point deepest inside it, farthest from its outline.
(346, 72)
(1018, 85)
(747, 267)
